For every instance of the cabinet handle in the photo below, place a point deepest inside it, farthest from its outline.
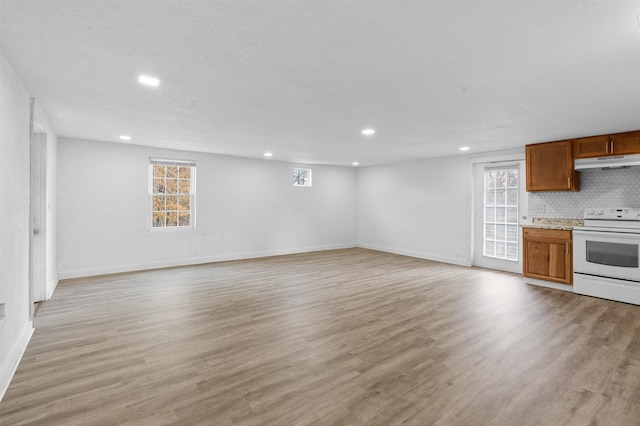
(568, 182)
(606, 148)
(566, 248)
(611, 150)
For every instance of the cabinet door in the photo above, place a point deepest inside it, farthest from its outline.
(548, 261)
(626, 143)
(550, 167)
(595, 146)
(548, 255)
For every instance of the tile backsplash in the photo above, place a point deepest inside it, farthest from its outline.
(598, 188)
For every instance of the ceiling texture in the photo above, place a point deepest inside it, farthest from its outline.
(301, 79)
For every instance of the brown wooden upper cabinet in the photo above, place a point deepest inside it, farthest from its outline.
(550, 167)
(625, 143)
(594, 146)
(599, 146)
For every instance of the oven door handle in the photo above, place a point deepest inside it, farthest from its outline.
(608, 234)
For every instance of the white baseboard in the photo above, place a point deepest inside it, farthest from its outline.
(10, 365)
(88, 272)
(549, 284)
(419, 255)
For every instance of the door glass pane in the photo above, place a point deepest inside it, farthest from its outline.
(501, 213)
(489, 248)
(489, 232)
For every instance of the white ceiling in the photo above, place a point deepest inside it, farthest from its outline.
(302, 78)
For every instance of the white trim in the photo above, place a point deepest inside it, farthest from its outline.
(79, 273)
(37, 218)
(462, 261)
(549, 284)
(171, 162)
(8, 369)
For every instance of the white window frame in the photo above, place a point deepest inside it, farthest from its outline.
(192, 194)
(307, 183)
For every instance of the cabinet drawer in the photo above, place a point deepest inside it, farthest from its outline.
(555, 234)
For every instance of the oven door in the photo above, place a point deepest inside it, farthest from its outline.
(607, 254)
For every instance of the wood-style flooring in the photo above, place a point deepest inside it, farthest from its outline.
(344, 337)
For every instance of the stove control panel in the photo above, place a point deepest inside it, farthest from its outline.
(619, 213)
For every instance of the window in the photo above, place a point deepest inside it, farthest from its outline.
(172, 194)
(301, 177)
(501, 213)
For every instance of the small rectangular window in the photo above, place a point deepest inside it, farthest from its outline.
(301, 177)
(172, 193)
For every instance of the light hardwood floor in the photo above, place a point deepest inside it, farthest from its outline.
(345, 337)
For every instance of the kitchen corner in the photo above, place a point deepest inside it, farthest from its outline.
(550, 237)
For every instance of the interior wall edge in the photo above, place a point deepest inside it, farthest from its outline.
(8, 369)
(82, 273)
(51, 286)
(417, 254)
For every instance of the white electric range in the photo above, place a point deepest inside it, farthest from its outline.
(606, 254)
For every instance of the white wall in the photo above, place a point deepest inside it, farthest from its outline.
(417, 208)
(245, 208)
(16, 328)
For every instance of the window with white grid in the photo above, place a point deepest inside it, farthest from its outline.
(501, 213)
(172, 194)
(301, 177)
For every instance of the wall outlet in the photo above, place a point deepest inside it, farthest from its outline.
(2, 310)
(538, 209)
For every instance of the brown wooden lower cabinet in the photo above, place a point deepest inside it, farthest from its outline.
(548, 254)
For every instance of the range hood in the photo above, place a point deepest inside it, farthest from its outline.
(611, 162)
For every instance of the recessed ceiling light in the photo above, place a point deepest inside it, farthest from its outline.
(268, 154)
(464, 148)
(355, 163)
(368, 132)
(148, 81)
(125, 137)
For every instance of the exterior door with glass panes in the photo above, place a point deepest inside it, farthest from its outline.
(499, 207)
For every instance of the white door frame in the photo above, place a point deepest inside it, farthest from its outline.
(477, 213)
(37, 222)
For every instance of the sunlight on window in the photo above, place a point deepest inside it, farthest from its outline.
(172, 194)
